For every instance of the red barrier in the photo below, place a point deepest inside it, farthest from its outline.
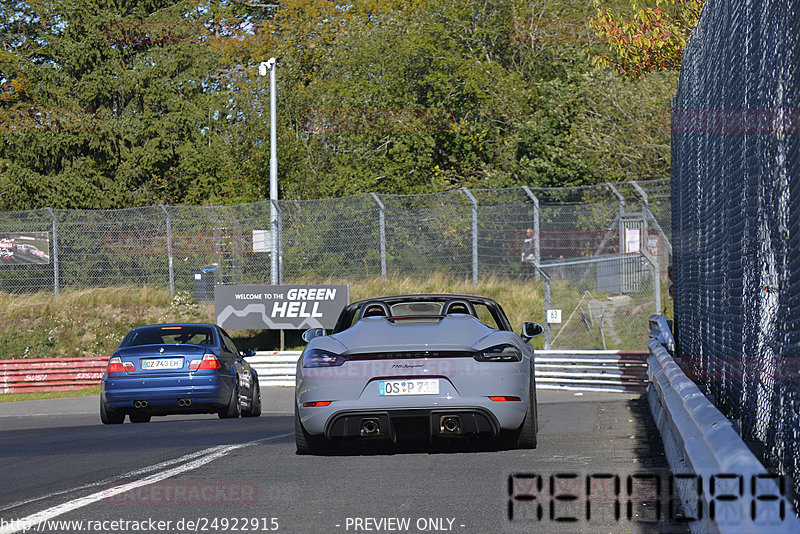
(50, 374)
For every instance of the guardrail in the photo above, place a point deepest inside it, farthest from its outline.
(275, 368)
(50, 374)
(589, 370)
(592, 370)
(702, 445)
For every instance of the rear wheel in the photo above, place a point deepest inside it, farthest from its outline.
(254, 410)
(139, 417)
(525, 436)
(234, 409)
(110, 417)
(305, 443)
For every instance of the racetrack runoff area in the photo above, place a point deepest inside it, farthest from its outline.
(252, 473)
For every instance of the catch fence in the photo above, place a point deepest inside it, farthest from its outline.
(463, 233)
(735, 201)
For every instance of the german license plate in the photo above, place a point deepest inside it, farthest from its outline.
(426, 386)
(163, 363)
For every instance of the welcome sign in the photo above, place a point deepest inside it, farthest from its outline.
(283, 307)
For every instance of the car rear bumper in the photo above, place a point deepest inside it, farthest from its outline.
(408, 423)
(165, 392)
(479, 416)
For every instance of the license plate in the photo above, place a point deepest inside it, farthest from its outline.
(163, 363)
(427, 386)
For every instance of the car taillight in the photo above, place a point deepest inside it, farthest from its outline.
(505, 398)
(321, 358)
(316, 404)
(116, 365)
(209, 361)
(499, 353)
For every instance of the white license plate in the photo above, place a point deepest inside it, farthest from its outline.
(163, 363)
(427, 386)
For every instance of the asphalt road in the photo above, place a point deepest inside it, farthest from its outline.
(202, 474)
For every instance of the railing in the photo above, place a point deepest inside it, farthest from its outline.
(592, 370)
(275, 368)
(50, 374)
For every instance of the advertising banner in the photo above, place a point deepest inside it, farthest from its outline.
(24, 248)
(284, 307)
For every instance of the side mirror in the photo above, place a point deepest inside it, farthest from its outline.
(311, 333)
(530, 330)
(247, 353)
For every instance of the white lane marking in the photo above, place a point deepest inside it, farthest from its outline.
(69, 506)
(117, 478)
(44, 414)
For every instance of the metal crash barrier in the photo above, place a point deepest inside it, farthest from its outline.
(50, 374)
(722, 485)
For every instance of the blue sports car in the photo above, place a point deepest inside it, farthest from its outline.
(178, 369)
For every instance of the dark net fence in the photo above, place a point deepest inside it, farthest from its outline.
(735, 213)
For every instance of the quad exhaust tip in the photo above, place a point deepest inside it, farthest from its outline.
(370, 427)
(140, 404)
(185, 402)
(450, 424)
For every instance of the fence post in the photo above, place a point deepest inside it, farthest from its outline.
(546, 305)
(651, 217)
(277, 242)
(169, 252)
(537, 257)
(653, 261)
(382, 223)
(619, 197)
(474, 234)
(55, 251)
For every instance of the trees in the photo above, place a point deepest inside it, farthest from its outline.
(651, 40)
(141, 102)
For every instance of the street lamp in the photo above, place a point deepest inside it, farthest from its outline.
(273, 166)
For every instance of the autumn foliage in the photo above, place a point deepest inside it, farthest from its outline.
(651, 40)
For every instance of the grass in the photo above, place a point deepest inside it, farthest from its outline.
(86, 322)
(92, 322)
(83, 392)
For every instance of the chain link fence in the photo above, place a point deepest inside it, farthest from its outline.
(600, 303)
(463, 233)
(736, 200)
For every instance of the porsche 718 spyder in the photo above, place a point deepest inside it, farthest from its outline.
(177, 369)
(423, 367)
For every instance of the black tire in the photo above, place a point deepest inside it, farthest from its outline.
(234, 409)
(139, 417)
(111, 417)
(254, 410)
(525, 436)
(305, 443)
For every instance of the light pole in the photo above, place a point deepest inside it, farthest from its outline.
(273, 165)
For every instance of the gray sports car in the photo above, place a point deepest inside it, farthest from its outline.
(417, 367)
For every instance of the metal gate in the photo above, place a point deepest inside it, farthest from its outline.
(632, 235)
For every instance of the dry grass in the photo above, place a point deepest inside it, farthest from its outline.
(86, 322)
(92, 322)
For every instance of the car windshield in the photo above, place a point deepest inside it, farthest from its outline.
(411, 309)
(169, 335)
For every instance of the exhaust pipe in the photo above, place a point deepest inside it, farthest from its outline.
(370, 427)
(185, 402)
(450, 424)
(140, 404)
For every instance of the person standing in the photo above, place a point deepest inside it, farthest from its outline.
(528, 254)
